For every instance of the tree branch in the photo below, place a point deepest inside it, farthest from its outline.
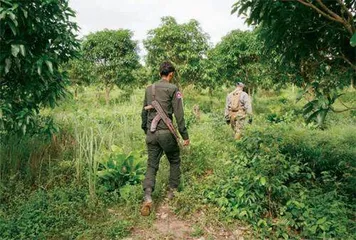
(326, 12)
(339, 19)
(349, 14)
(308, 4)
(344, 110)
(341, 111)
(347, 61)
(345, 105)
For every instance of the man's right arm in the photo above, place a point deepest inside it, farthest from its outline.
(178, 111)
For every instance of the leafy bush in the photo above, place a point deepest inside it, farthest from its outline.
(120, 169)
(279, 190)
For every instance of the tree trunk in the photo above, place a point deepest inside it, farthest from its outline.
(107, 94)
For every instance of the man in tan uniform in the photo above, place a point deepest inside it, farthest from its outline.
(237, 108)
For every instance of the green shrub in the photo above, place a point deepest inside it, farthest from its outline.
(120, 169)
(278, 189)
(46, 213)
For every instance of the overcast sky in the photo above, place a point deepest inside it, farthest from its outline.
(143, 15)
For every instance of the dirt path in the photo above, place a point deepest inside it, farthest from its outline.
(168, 226)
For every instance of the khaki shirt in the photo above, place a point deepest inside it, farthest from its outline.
(171, 101)
(245, 103)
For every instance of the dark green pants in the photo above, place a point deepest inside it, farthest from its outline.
(159, 142)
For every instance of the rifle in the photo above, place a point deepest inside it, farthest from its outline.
(161, 115)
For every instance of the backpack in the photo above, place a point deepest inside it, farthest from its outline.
(235, 102)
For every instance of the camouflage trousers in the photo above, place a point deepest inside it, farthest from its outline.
(237, 121)
(158, 143)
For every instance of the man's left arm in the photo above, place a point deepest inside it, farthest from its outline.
(144, 114)
(227, 110)
(248, 106)
(246, 100)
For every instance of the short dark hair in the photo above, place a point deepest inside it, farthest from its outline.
(166, 68)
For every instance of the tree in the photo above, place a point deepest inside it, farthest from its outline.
(185, 45)
(36, 37)
(114, 56)
(238, 58)
(80, 72)
(310, 41)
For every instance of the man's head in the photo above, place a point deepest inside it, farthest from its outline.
(240, 86)
(167, 70)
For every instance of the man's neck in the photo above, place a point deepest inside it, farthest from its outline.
(166, 79)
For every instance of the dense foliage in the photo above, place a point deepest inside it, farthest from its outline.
(114, 56)
(309, 40)
(36, 37)
(81, 73)
(185, 45)
(238, 57)
(80, 176)
(285, 179)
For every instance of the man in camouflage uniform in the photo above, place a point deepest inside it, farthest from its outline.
(237, 108)
(162, 140)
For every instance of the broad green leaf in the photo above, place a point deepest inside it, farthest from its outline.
(353, 40)
(321, 221)
(13, 28)
(25, 13)
(2, 15)
(261, 222)
(24, 129)
(243, 213)
(11, 15)
(39, 69)
(313, 229)
(263, 181)
(49, 65)
(22, 50)
(15, 49)
(7, 65)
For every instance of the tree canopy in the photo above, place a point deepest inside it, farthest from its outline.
(310, 38)
(237, 57)
(185, 45)
(311, 41)
(36, 37)
(114, 56)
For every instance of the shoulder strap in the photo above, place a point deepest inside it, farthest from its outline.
(154, 92)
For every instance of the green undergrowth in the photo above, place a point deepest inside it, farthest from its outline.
(81, 178)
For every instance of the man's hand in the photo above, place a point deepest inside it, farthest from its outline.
(186, 142)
